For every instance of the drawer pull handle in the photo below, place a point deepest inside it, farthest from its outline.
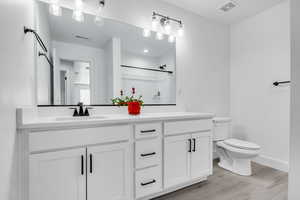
(148, 183)
(148, 154)
(194, 145)
(190, 145)
(82, 165)
(91, 163)
(148, 131)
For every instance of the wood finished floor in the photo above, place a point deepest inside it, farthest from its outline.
(265, 184)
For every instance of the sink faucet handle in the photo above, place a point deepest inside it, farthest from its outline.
(75, 114)
(86, 112)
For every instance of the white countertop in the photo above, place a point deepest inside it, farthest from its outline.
(46, 123)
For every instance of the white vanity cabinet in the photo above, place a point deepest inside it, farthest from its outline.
(176, 160)
(94, 171)
(108, 172)
(138, 158)
(187, 152)
(65, 175)
(148, 159)
(58, 175)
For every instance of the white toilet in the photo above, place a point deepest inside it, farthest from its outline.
(235, 155)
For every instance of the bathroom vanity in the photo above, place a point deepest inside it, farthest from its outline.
(113, 157)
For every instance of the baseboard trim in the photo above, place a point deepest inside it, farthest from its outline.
(273, 163)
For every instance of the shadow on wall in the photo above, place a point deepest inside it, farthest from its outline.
(239, 132)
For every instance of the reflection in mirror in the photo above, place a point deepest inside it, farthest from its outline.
(92, 63)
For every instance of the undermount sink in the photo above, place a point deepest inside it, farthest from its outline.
(79, 118)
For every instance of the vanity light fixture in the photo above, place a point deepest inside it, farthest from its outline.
(180, 31)
(159, 36)
(146, 51)
(77, 13)
(99, 18)
(146, 33)
(155, 22)
(171, 38)
(54, 8)
(166, 24)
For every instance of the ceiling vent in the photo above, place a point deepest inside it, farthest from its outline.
(228, 6)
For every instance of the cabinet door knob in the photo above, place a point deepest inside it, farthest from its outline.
(148, 183)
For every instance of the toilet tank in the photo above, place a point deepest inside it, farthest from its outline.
(221, 130)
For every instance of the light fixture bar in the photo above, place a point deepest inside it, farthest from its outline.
(167, 17)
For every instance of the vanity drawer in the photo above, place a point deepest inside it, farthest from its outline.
(147, 130)
(178, 127)
(49, 140)
(148, 153)
(148, 181)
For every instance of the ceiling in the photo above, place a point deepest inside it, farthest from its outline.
(211, 8)
(131, 37)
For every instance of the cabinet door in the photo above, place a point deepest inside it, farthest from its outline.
(176, 160)
(109, 172)
(58, 175)
(201, 160)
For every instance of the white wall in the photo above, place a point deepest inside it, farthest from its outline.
(294, 173)
(17, 85)
(260, 55)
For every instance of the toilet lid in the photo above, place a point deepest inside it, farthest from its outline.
(241, 144)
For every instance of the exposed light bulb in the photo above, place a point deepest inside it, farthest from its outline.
(146, 51)
(167, 27)
(159, 36)
(54, 8)
(99, 18)
(180, 31)
(171, 38)
(146, 33)
(154, 22)
(77, 13)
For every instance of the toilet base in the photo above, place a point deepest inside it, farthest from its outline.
(238, 166)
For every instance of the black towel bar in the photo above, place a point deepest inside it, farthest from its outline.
(277, 83)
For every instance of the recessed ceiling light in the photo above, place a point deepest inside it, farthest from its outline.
(146, 51)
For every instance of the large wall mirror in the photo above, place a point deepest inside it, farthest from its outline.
(91, 63)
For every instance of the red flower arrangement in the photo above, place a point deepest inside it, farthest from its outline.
(134, 104)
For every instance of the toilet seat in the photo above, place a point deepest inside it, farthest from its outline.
(236, 155)
(248, 152)
(241, 144)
